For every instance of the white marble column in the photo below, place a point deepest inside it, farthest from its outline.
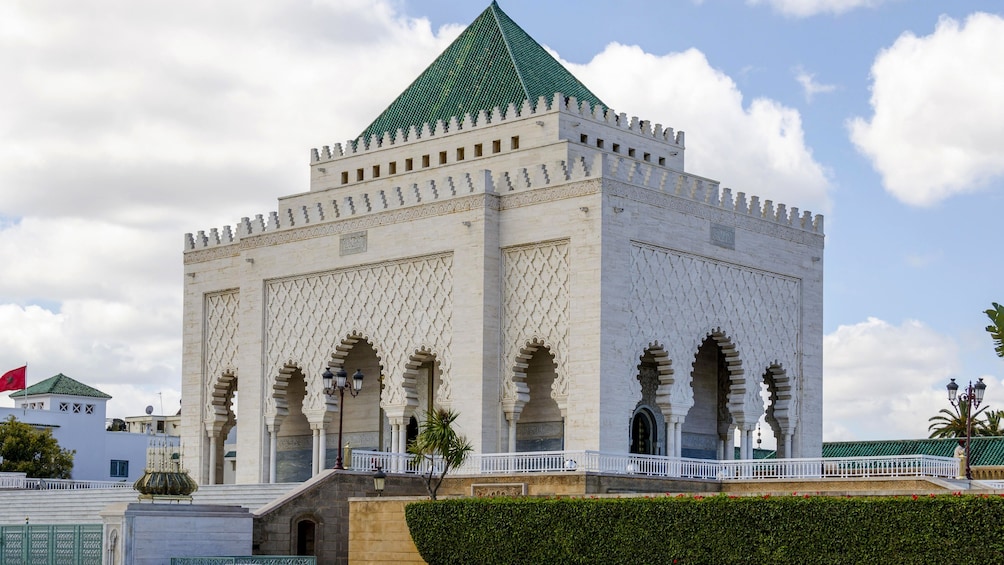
(322, 449)
(273, 431)
(212, 460)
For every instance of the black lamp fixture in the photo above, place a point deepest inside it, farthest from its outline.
(337, 382)
(971, 399)
(379, 480)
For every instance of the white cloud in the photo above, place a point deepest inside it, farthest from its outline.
(809, 84)
(138, 122)
(806, 8)
(882, 381)
(937, 127)
(757, 148)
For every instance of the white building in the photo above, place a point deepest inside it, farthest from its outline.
(75, 413)
(499, 241)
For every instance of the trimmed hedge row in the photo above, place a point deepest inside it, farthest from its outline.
(950, 529)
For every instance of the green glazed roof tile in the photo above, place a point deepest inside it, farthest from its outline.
(61, 384)
(984, 450)
(492, 63)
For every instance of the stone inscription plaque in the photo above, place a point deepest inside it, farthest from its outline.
(352, 243)
(723, 236)
(499, 489)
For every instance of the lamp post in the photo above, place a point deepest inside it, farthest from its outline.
(339, 382)
(972, 398)
(379, 478)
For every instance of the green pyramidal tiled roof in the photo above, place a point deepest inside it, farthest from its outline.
(493, 63)
(61, 384)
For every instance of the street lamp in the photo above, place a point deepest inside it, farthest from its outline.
(340, 382)
(972, 398)
(379, 478)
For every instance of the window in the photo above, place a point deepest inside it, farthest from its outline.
(514, 142)
(64, 406)
(646, 156)
(160, 426)
(89, 409)
(76, 408)
(460, 154)
(583, 138)
(442, 157)
(392, 168)
(119, 469)
(497, 146)
(409, 164)
(359, 175)
(425, 161)
(599, 143)
(662, 161)
(345, 177)
(478, 150)
(617, 148)
(630, 151)
(376, 171)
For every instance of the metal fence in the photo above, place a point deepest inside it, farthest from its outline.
(255, 560)
(21, 481)
(50, 544)
(675, 467)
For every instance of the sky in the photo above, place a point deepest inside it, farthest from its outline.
(124, 125)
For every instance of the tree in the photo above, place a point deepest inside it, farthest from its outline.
(996, 315)
(952, 423)
(439, 448)
(35, 452)
(992, 424)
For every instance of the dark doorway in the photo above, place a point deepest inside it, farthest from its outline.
(305, 532)
(643, 432)
(412, 430)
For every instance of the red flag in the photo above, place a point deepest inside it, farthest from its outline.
(14, 379)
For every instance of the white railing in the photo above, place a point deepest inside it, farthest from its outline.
(21, 481)
(658, 466)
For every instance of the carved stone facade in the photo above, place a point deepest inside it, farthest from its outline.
(549, 270)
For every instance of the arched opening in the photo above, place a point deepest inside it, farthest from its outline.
(648, 422)
(294, 455)
(427, 381)
(363, 419)
(223, 432)
(411, 430)
(776, 393)
(644, 432)
(306, 537)
(705, 432)
(540, 426)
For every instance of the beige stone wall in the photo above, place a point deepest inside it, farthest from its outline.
(378, 532)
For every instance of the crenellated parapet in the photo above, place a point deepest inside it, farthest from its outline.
(468, 122)
(376, 197)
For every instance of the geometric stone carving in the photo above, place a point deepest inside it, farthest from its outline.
(535, 310)
(399, 307)
(679, 299)
(220, 356)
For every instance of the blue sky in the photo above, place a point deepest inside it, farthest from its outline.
(127, 124)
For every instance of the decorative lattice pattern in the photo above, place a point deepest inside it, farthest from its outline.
(678, 300)
(535, 310)
(221, 325)
(401, 307)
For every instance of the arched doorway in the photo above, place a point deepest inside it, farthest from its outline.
(223, 430)
(540, 426)
(644, 432)
(294, 453)
(363, 419)
(706, 429)
(306, 537)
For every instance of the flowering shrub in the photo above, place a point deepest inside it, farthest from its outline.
(956, 528)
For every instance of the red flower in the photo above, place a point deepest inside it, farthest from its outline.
(915, 497)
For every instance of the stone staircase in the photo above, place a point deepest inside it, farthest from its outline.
(83, 506)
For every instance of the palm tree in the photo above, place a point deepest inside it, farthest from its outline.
(439, 448)
(992, 424)
(996, 315)
(952, 423)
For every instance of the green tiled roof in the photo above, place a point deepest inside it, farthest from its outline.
(61, 384)
(492, 63)
(983, 450)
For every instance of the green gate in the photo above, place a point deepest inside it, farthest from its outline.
(50, 545)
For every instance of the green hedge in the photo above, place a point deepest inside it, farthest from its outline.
(951, 529)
